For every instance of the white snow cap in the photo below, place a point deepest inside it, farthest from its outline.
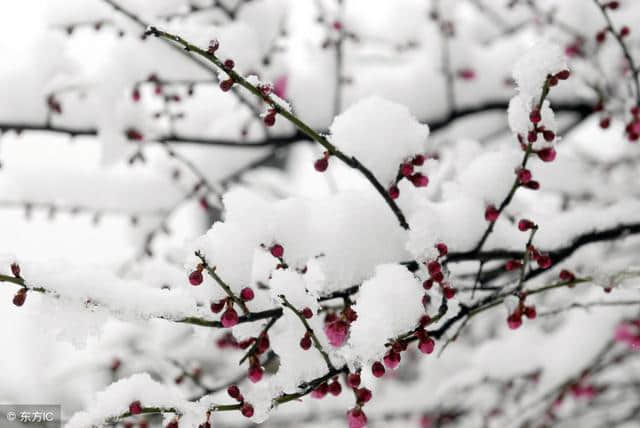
(381, 134)
(389, 304)
(532, 69)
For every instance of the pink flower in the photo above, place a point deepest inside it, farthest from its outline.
(337, 332)
(280, 86)
(356, 418)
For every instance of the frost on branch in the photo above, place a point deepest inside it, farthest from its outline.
(381, 134)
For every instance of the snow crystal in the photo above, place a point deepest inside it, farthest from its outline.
(389, 304)
(381, 134)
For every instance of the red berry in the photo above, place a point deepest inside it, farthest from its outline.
(524, 175)
(263, 343)
(427, 284)
(466, 74)
(624, 31)
(600, 36)
(229, 64)
(356, 418)
(392, 360)
(269, 119)
(532, 136)
(195, 277)
(442, 249)
(363, 395)
(217, 307)
(172, 424)
(544, 261)
(419, 180)
(226, 85)
(134, 134)
(525, 225)
(448, 292)
(612, 5)
(512, 265)
(135, 95)
(491, 213)
(15, 269)
(233, 391)
(377, 369)
(425, 320)
(433, 267)
(135, 408)
(353, 380)
(437, 276)
(533, 185)
(566, 275)
(350, 314)
(548, 135)
(530, 312)
(20, 297)
(305, 342)
(427, 345)
(213, 46)
(418, 160)
(247, 294)
(277, 250)
(406, 169)
(605, 122)
(320, 391)
(547, 154)
(394, 192)
(255, 373)
(246, 410)
(535, 116)
(321, 164)
(229, 318)
(307, 313)
(563, 75)
(514, 321)
(335, 388)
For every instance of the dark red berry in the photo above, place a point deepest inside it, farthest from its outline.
(512, 265)
(353, 380)
(442, 249)
(213, 46)
(363, 395)
(448, 292)
(20, 297)
(335, 388)
(246, 410)
(491, 213)
(233, 391)
(394, 192)
(15, 269)
(217, 307)
(195, 277)
(563, 75)
(305, 342)
(525, 225)
(535, 116)
(605, 122)
(135, 408)
(307, 313)
(226, 85)
(229, 64)
(547, 154)
(377, 369)
(277, 250)
(418, 160)
(247, 294)
(321, 164)
(524, 175)
(566, 275)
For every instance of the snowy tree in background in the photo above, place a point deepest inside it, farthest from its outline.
(305, 213)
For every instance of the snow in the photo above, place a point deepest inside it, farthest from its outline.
(531, 70)
(381, 134)
(389, 304)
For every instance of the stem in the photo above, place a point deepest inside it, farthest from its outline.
(635, 72)
(212, 272)
(302, 126)
(314, 338)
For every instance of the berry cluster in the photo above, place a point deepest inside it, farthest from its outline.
(406, 170)
(514, 320)
(436, 275)
(356, 416)
(245, 408)
(336, 326)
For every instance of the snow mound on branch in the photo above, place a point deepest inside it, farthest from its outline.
(389, 305)
(381, 134)
(117, 397)
(532, 69)
(518, 113)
